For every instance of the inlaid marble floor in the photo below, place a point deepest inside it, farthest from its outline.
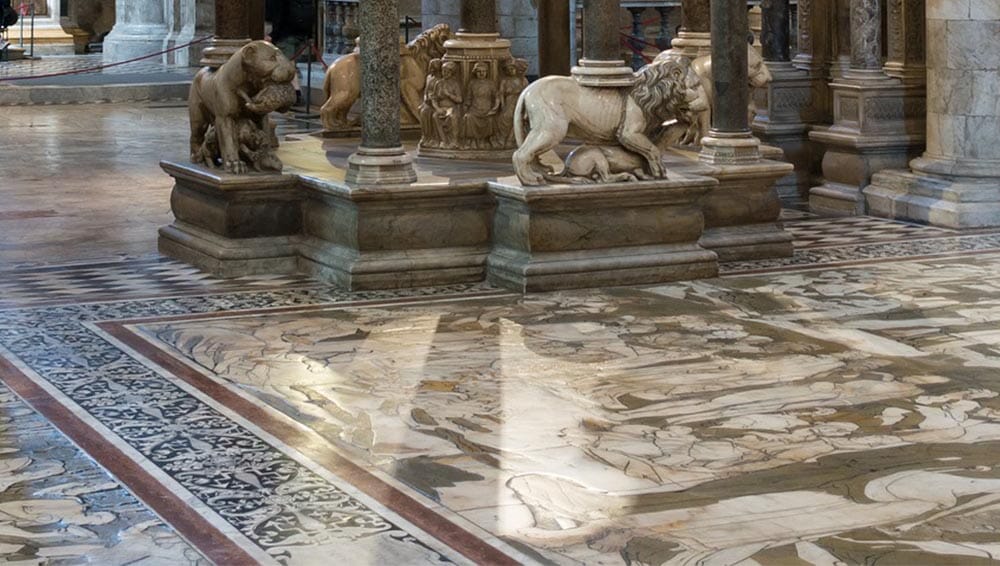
(838, 407)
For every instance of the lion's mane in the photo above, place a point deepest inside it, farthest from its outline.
(660, 90)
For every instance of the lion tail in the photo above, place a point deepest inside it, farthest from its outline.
(521, 124)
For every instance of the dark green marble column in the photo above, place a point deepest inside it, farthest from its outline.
(730, 27)
(775, 30)
(379, 24)
(479, 16)
(600, 30)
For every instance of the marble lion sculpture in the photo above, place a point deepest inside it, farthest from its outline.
(757, 71)
(342, 84)
(226, 99)
(554, 107)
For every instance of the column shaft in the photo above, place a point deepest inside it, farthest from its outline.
(775, 30)
(232, 19)
(695, 16)
(600, 30)
(478, 16)
(730, 27)
(553, 38)
(379, 23)
(905, 39)
(866, 35)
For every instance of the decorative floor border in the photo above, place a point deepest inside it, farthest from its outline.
(71, 374)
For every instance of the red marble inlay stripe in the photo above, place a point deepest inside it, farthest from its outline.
(319, 451)
(185, 520)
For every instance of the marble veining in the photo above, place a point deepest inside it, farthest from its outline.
(839, 416)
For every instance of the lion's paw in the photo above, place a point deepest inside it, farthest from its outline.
(236, 167)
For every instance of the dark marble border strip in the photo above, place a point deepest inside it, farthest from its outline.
(454, 536)
(207, 539)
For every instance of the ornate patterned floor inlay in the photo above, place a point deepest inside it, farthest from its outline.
(269, 505)
(856, 254)
(813, 232)
(837, 416)
(131, 279)
(59, 507)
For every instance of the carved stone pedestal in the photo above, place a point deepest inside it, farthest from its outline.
(574, 236)
(406, 236)
(478, 126)
(878, 124)
(232, 225)
(785, 109)
(741, 213)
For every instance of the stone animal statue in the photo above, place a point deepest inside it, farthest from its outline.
(225, 98)
(342, 85)
(600, 164)
(758, 73)
(554, 107)
(257, 145)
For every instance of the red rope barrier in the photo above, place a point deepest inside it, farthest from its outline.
(108, 66)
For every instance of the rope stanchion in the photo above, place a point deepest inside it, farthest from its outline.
(107, 66)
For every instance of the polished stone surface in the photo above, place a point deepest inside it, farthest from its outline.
(833, 406)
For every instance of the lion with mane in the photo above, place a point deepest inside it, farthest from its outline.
(555, 107)
(342, 84)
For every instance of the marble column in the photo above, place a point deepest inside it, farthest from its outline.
(380, 160)
(694, 38)
(232, 31)
(602, 64)
(878, 121)
(553, 38)
(775, 30)
(905, 39)
(140, 29)
(866, 38)
(956, 182)
(479, 16)
(730, 140)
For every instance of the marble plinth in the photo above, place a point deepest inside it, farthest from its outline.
(951, 203)
(785, 109)
(878, 124)
(371, 237)
(574, 236)
(232, 225)
(741, 213)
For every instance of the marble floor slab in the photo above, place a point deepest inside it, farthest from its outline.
(844, 416)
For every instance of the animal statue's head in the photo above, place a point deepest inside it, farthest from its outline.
(430, 44)
(759, 74)
(668, 89)
(264, 63)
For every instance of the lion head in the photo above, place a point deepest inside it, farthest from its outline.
(430, 44)
(668, 89)
(264, 63)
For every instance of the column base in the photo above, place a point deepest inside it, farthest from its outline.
(692, 44)
(742, 213)
(849, 162)
(723, 148)
(786, 108)
(560, 236)
(232, 225)
(412, 236)
(129, 42)
(950, 203)
(603, 74)
(220, 50)
(380, 166)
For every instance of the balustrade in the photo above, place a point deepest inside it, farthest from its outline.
(340, 26)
